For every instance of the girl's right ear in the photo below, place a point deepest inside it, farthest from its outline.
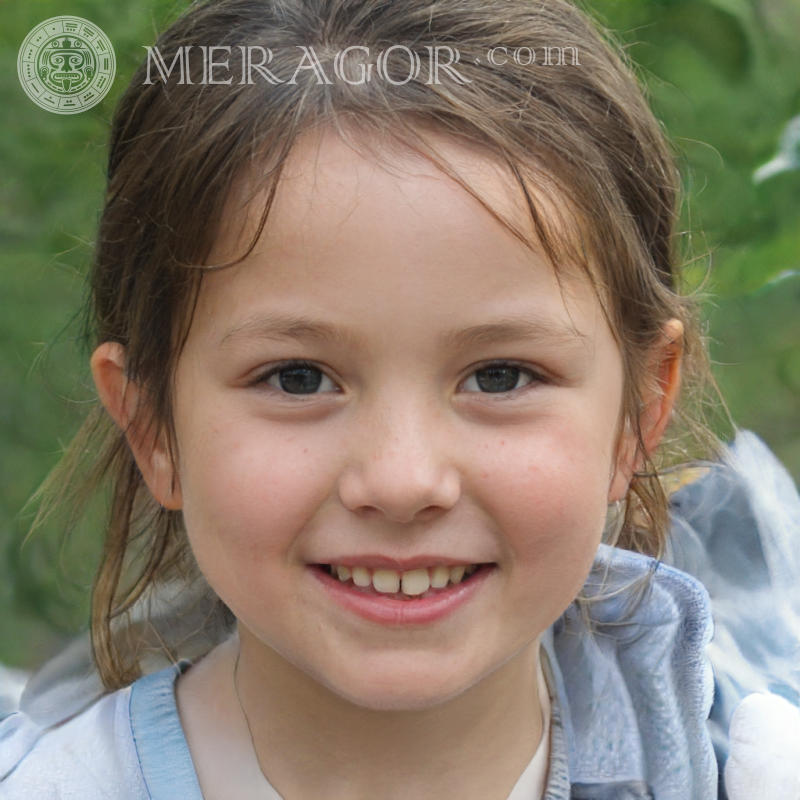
(123, 400)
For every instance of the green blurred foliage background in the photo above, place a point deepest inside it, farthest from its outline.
(723, 75)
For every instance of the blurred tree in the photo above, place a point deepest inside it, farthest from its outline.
(51, 189)
(724, 77)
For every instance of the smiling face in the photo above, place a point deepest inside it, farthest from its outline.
(392, 383)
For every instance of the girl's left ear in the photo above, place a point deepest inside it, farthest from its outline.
(656, 410)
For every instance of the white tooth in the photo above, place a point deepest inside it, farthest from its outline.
(416, 581)
(439, 577)
(386, 581)
(361, 576)
(343, 573)
(470, 570)
(456, 574)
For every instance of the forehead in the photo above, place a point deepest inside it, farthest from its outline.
(323, 170)
(345, 223)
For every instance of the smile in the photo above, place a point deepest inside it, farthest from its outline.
(419, 595)
(402, 585)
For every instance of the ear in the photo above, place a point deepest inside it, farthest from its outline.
(656, 410)
(123, 400)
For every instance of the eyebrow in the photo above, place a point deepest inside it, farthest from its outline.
(287, 326)
(513, 329)
(302, 328)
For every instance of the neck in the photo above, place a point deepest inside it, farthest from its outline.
(311, 742)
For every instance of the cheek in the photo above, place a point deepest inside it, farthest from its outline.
(549, 493)
(247, 497)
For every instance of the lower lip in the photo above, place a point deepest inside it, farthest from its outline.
(390, 611)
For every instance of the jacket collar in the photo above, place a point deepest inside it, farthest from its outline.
(631, 681)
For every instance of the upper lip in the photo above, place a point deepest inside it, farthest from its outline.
(371, 561)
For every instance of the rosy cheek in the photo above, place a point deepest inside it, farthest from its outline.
(549, 494)
(256, 495)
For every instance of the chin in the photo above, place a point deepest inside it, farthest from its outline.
(392, 690)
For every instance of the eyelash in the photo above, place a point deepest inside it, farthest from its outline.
(535, 377)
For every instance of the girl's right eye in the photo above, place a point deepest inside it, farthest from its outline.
(298, 377)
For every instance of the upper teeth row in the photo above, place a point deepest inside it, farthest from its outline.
(414, 582)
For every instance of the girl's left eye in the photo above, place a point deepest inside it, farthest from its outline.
(500, 378)
(298, 377)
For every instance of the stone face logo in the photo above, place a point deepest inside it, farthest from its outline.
(66, 65)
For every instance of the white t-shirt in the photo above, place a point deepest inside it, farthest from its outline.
(532, 782)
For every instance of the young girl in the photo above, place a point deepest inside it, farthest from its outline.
(380, 336)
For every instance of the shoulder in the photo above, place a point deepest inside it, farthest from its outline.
(128, 745)
(633, 681)
(92, 755)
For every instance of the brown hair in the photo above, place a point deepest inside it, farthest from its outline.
(582, 129)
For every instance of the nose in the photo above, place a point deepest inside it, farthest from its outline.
(401, 467)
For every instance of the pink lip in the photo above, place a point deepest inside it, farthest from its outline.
(389, 611)
(400, 564)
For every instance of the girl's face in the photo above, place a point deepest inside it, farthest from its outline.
(391, 383)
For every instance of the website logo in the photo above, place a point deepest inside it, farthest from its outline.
(66, 65)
